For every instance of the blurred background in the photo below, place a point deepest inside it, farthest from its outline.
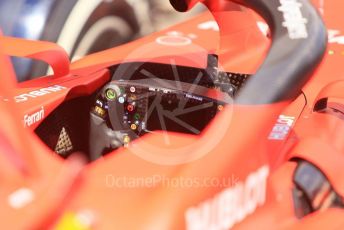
(82, 27)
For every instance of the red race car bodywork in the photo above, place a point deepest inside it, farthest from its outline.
(274, 164)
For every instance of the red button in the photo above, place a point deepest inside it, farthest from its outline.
(130, 108)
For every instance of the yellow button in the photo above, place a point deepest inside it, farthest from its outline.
(133, 127)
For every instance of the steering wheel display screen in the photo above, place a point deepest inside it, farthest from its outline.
(144, 106)
(180, 112)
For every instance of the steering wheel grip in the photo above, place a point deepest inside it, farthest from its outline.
(299, 40)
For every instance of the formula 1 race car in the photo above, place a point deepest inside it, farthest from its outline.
(233, 119)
